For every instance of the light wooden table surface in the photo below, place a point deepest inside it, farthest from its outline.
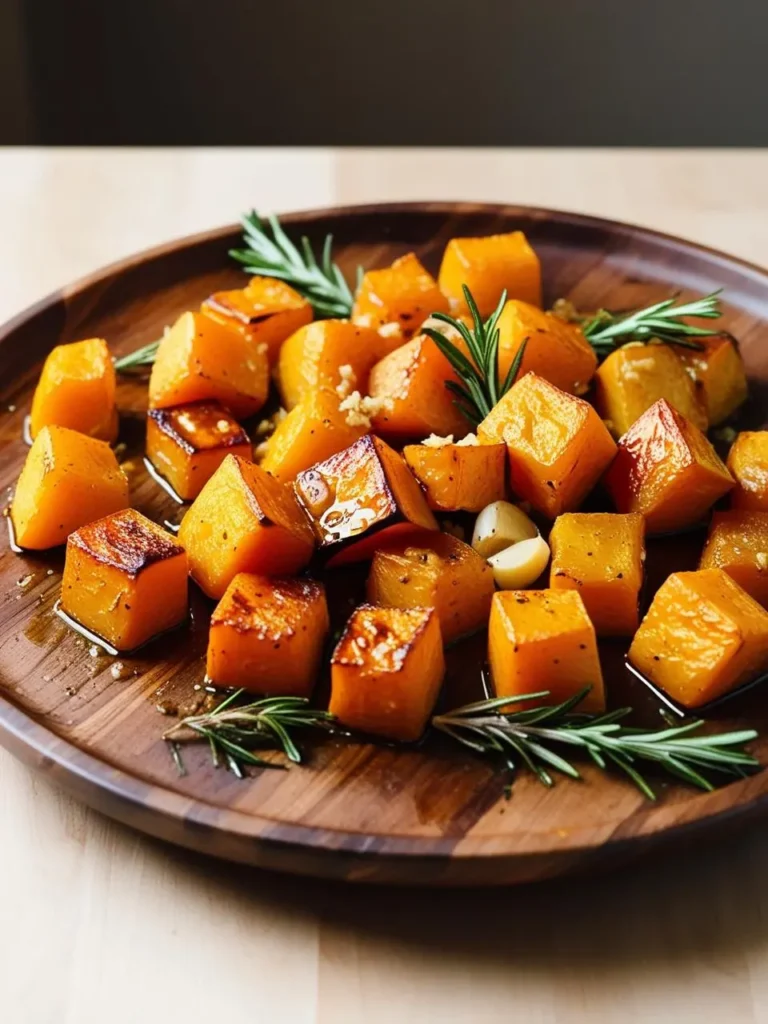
(98, 924)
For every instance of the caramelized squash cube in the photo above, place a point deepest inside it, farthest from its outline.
(748, 463)
(544, 640)
(404, 294)
(635, 377)
(187, 444)
(440, 572)
(387, 670)
(312, 431)
(721, 379)
(267, 311)
(410, 385)
(314, 356)
(702, 637)
(666, 470)
(488, 266)
(738, 544)
(558, 447)
(244, 520)
(68, 480)
(361, 498)
(267, 635)
(77, 390)
(601, 556)
(554, 350)
(459, 476)
(201, 359)
(125, 579)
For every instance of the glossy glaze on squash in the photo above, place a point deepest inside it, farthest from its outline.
(76, 389)
(748, 464)
(738, 544)
(386, 671)
(267, 635)
(667, 470)
(125, 579)
(404, 294)
(459, 477)
(719, 373)
(488, 266)
(702, 637)
(68, 480)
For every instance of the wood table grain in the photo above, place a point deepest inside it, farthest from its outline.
(100, 924)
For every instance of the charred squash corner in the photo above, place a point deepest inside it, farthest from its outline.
(77, 390)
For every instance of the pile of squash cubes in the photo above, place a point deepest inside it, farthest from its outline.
(346, 476)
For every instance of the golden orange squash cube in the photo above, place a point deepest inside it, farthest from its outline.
(244, 520)
(188, 443)
(267, 311)
(544, 640)
(440, 572)
(410, 385)
(703, 636)
(635, 377)
(748, 463)
(718, 370)
(738, 543)
(666, 470)
(267, 635)
(459, 476)
(68, 480)
(601, 556)
(554, 349)
(125, 579)
(488, 266)
(404, 294)
(201, 359)
(387, 670)
(557, 445)
(314, 356)
(361, 498)
(77, 390)
(312, 431)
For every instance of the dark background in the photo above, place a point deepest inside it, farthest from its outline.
(399, 72)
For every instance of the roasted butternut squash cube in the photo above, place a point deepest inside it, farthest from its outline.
(187, 444)
(244, 520)
(267, 635)
(440, 572)
(329, 353)
(201, 359)
(360, 498)
(635, 377)
(601, 556)
(312, 431)
(488, 266)
(703, 636)
(404, 294)
(721, 379)
(409, 383)
(738, 544)
(666, 470)
(68, 480)
(387, 670)
(557, 445)
(554, 349)
(77, 390)
(459, 476)
(544, 640)
(267, 311)
(125, 579)
(748, 464)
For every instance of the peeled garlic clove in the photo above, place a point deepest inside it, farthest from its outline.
(499, 525)
(521, 564)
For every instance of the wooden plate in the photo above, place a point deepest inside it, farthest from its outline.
(427, 815)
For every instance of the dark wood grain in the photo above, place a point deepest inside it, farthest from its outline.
(424, 815)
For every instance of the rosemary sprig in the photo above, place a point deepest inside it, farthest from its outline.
(528, 736)
(270, 253)
(663, 321)
(142, 357)
(480, 389)
(233, 731)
